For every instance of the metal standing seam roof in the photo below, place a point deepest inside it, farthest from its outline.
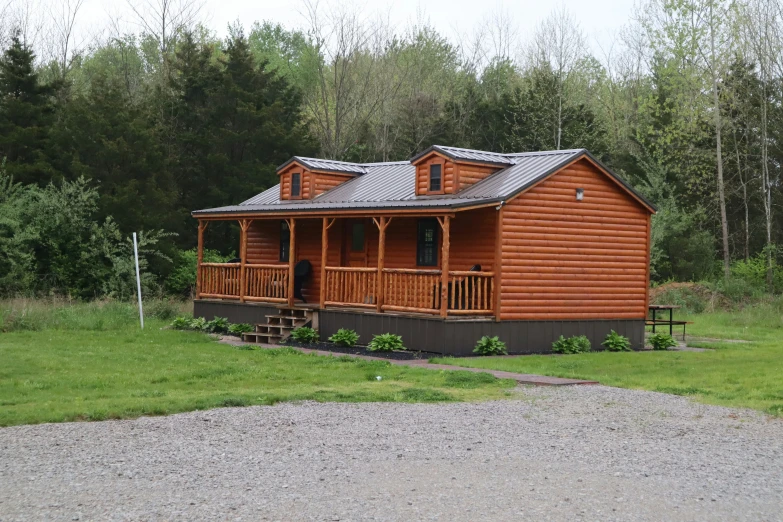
(458, 153)
(391, 185)
(326, 164)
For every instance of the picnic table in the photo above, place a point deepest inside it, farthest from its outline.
(655, 320)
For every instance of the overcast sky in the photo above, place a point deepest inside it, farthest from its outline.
(599, 19)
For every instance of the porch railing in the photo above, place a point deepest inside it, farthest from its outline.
(351, 286)
(220, 280)
(266, 283)
(402, 289)
(471, 292)
(407, 290)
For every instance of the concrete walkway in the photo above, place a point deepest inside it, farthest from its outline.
(521, 378)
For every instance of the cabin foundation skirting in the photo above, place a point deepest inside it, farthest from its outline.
(438, 335)
(250, 313)
(459, 337)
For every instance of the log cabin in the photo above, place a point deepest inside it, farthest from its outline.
(442, 249)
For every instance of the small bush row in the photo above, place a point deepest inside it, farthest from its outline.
(219, 325)
(614, 342)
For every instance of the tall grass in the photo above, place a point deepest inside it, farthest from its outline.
(56, 313)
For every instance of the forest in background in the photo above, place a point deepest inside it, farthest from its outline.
(132, 130)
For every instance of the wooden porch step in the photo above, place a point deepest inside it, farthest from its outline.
(262, 338)
(279, 326)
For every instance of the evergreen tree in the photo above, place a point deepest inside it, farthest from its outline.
(26, 115)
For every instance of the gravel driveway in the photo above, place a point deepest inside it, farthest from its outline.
(584, 453)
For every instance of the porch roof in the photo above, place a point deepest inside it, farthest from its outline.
(391, 185)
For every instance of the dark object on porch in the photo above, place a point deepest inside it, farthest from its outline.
(235, 260)
(302, 272)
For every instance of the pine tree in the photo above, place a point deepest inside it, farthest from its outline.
(26, 114)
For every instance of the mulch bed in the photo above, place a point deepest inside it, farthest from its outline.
(361, 350)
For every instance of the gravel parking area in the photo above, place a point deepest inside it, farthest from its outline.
(573, 453)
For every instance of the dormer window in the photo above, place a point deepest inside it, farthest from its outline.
(296, 185)
(436, 182)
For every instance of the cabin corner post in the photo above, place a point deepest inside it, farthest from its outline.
(202, 226)
(244, 224)
(291, 259)
(444, 285)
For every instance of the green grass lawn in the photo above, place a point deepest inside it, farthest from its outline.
(87, 362)
(734, 374)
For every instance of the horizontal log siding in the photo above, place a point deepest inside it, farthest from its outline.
(568, 259)
(308, 246)
(306, 180)
(263, 242)
(423, 174)
(323, 182)
(473, 239)
(470, 174)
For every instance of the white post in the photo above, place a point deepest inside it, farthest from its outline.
(138, 279)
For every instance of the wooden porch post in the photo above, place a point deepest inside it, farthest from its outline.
(379, 287)
(291, 259)
(498, 262)
(202, 226)
(244, 224)
(444, 277)
(325, 226)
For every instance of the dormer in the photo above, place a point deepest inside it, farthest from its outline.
(447, 170)
(308, 178)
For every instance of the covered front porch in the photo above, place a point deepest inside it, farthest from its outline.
(438, 264)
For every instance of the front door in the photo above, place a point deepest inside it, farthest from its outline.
(355, 243)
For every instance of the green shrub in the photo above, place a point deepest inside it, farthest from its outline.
(575, 344)
(490, 346)
(615, 342)
(345, 337)
(217, 325)
(181, 323)
(239, 328)
(198, 323)
(305, 334)
(386, 343)
(661, 341)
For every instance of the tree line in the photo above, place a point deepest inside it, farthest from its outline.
(140, 128)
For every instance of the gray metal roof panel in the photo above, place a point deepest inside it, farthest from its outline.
(527, 169)
(269, 196)
(459, 153)
(326, 164)
(391, 185)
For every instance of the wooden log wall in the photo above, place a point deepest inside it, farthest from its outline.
(263, 241)
(456, 175)
(470, 173)
(306, 181)
(322, 181)
(569, 259)
(473, 239)
(423, 174)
